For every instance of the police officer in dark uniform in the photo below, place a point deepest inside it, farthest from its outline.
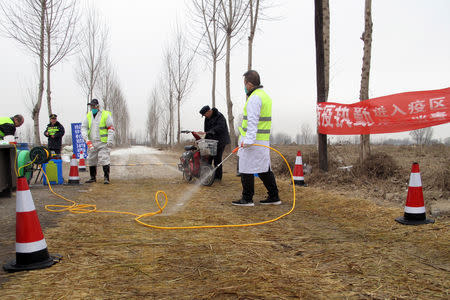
(216, 128)
(54, 132)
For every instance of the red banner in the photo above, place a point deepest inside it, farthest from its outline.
(387, 114)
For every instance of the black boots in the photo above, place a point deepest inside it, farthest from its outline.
(106, 173)
(93, 173)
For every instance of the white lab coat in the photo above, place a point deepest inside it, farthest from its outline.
(254, 159)
(100, 154)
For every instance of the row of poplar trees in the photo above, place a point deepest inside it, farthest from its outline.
(52, 30)
(218, 26)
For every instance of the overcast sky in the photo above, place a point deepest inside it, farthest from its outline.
(410, 52)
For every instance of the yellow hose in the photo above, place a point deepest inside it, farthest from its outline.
(88, 208)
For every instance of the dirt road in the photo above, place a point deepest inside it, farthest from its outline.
(332, 246)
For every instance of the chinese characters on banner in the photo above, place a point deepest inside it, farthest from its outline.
(387, 114)
(77, 140)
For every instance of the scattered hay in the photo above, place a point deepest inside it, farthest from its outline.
(330, 247)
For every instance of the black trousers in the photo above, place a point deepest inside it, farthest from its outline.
(57, 151)
(217, 160)
(248, 185)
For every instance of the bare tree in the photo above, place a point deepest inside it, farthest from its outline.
(61, 17)
(180, 71)
(109, 91)
(306, 134)
(119, 110)
(25, 23)
(153, 117)
(165, 127)
(168, 90)
(207, 14)
(232, 21)
(93, 41)
(253, 14)
(256, 13)
(422, 136)
(364, 151)
(106, 83)
(281, 138)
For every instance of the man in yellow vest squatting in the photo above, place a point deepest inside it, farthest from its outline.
(255, 129)
(8, 125)
(98, 132)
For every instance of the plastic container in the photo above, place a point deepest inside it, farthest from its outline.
(22, 146)
(23, 159)
(53, 169)
(207, 147)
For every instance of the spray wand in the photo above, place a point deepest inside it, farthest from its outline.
(226, 158)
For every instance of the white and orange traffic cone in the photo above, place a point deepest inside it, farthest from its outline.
(31, 248)
(74, 176)
(414, 209)
(299, 179)
(81, 163)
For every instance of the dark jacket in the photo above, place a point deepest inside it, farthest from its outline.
(216, 128)
(7, 129)
(54, 143)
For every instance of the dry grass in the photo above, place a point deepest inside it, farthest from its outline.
(387, 175)
(334, 245)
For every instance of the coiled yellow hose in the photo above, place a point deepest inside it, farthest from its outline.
(89, 208)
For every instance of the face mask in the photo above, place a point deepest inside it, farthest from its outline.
(94, 111)
(245, 89)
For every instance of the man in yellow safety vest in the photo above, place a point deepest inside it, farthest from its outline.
(255, 129)
(98, 132)
(8, 125)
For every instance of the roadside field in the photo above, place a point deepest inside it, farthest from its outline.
(335, 244)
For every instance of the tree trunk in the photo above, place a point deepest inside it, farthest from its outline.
(37, 106)
(320, 77)
(364, 91)
(213, 91)
(170, 119)
(250, 50)
(326, 45)
(178, 120)
(228, 87)
(251, 37)
(49, 98)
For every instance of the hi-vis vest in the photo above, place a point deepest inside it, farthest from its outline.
(103, 128)
(51, 130)
(5, 120)
(265, 117)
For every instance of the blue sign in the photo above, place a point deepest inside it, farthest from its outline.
(79, 145)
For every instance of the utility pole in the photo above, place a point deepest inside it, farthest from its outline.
(320, 77)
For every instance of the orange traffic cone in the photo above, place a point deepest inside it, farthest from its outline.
(414, 208)
(31, 248)
(299, 179)
(81, 163)
(74, 176)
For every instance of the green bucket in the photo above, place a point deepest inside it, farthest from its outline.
(23, 159)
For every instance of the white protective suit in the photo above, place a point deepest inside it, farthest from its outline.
(100, 153)
(254, 159)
